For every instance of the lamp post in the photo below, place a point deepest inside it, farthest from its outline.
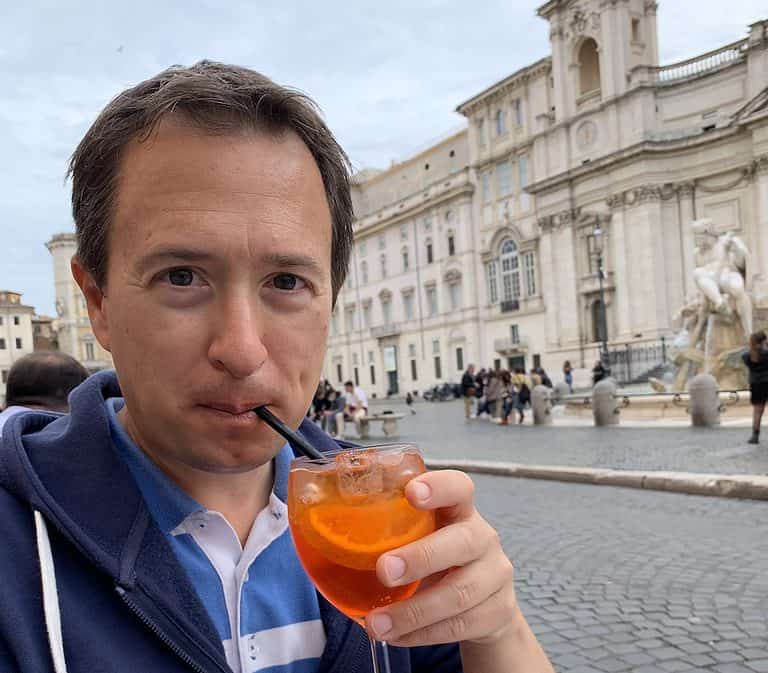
(604, 355)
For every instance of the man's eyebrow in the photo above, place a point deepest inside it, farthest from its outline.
(179, 254)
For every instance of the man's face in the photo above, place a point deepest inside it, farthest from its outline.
(218, 292)
(349, 389)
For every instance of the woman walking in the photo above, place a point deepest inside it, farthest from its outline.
(568, 375)
(756, 360)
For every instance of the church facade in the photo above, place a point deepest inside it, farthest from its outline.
(583, 169)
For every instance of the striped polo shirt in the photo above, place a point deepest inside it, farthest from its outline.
(261, 601)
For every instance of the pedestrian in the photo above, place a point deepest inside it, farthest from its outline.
(492, 394)
(522, 386)
(507, 395)
(409, 401)
(468, 389)
(756, 361)
(41, 380)
(535, 378)
(545, 380)
(333, 410)
(568, 375)
(599, 372)
(147, 530)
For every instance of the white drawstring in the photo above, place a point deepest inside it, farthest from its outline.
(50, 595)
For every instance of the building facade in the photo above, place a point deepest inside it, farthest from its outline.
(16, 335)
(594, 156)
(74, 327)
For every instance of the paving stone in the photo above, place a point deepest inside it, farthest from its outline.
(757, 665)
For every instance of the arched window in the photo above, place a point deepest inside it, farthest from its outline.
(510, 271)
(451, 244)
(430, 252)
(597, 320)
(589, 67)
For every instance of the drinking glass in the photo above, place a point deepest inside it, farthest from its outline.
(347, 509)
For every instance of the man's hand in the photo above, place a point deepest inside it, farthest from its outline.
(468, 591)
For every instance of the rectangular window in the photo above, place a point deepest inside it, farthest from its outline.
(529, 270)
(481, 131)
(414, 373)
(403, 232)
(334, 324)
(386, 312)
(430, 253)
(460, 359)
(383, 261)
(522, 168)
(355, 360)
(518, 107)
(454, 290)
(364, 272)
(373, 375)
(405, 260)
(504, 178)
(635, 30)
(18, 343)
(2, 344)
(432, 300)
(370, 357)
(427, 224)
(514, 333)
(357, 376)
(15, 320)
(382, 242)
(339, 377)
(451, 245)
(89, 354)
(412, 350)
(408, 306)
(497, 364)
(592, 254)
(435, 346)
(501, 123)
(536, 360)
(485, 186)
(349, 281)
(363, 248)
(349, 320)
(438, 368)
(366, 315)
(493, 285)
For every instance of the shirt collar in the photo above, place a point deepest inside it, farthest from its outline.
(168, 504)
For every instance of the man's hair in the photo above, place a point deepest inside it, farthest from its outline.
(349, 383)
(43, 379)
(217, 98)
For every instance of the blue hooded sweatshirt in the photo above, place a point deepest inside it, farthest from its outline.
(89, 583)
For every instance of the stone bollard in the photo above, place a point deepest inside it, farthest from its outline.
(560, 391)
(604, 407)
(704, 401)
(541, 403)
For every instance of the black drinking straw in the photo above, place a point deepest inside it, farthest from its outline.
(282, 429)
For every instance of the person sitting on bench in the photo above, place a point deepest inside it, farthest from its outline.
(355, 407)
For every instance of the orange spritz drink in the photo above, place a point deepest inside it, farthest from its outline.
(345, 511)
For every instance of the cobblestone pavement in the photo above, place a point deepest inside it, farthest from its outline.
(441, 431)
(616, 580)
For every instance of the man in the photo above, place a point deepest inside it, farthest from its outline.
(41, 380)
(355, 408)
(213, 217)
(468, 390)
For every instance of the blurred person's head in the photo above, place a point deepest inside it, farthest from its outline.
(756, 343)
(43, 380)
(213, 219)
(349, 386)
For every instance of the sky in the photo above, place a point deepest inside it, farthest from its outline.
(387, 75)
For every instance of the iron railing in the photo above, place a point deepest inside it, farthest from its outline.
(635, 362)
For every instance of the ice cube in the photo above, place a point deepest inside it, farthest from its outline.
(358, 475)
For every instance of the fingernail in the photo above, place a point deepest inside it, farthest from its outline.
(421, 490)
(394, 567)
(381, 625)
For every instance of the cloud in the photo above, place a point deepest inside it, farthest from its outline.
(388, 77)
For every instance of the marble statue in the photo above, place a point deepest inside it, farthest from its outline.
(716, 323)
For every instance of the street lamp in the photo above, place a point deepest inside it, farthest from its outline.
(604, 355)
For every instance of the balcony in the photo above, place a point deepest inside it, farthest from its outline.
(507, 346)
(382, 331)
(510, 306)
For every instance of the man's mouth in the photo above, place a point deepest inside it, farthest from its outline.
(234, 409)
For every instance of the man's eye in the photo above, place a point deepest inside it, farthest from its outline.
(287, 281)
(181, 277)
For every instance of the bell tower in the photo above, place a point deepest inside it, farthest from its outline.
(595, 45)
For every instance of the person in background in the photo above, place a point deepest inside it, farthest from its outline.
(568, 375)
(409, 401)
(756, 361)
(545, 380)
(355, 408)
(41, 380)
(535, 378)
(522, 386)
(468, 390)
(492, 392)
(507, 395)
(333, 408)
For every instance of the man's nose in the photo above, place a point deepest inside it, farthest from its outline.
(237, 343)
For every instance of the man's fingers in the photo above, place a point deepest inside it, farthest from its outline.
(449, 490)
(455, 545)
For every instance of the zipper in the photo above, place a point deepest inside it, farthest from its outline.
(147, 621)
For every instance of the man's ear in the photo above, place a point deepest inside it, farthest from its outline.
(95, 300)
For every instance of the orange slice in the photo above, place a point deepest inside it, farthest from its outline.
(355, 536)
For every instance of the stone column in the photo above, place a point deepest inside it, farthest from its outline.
(761, 215)
(621, 279)
(686, 215)
(549, 284)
